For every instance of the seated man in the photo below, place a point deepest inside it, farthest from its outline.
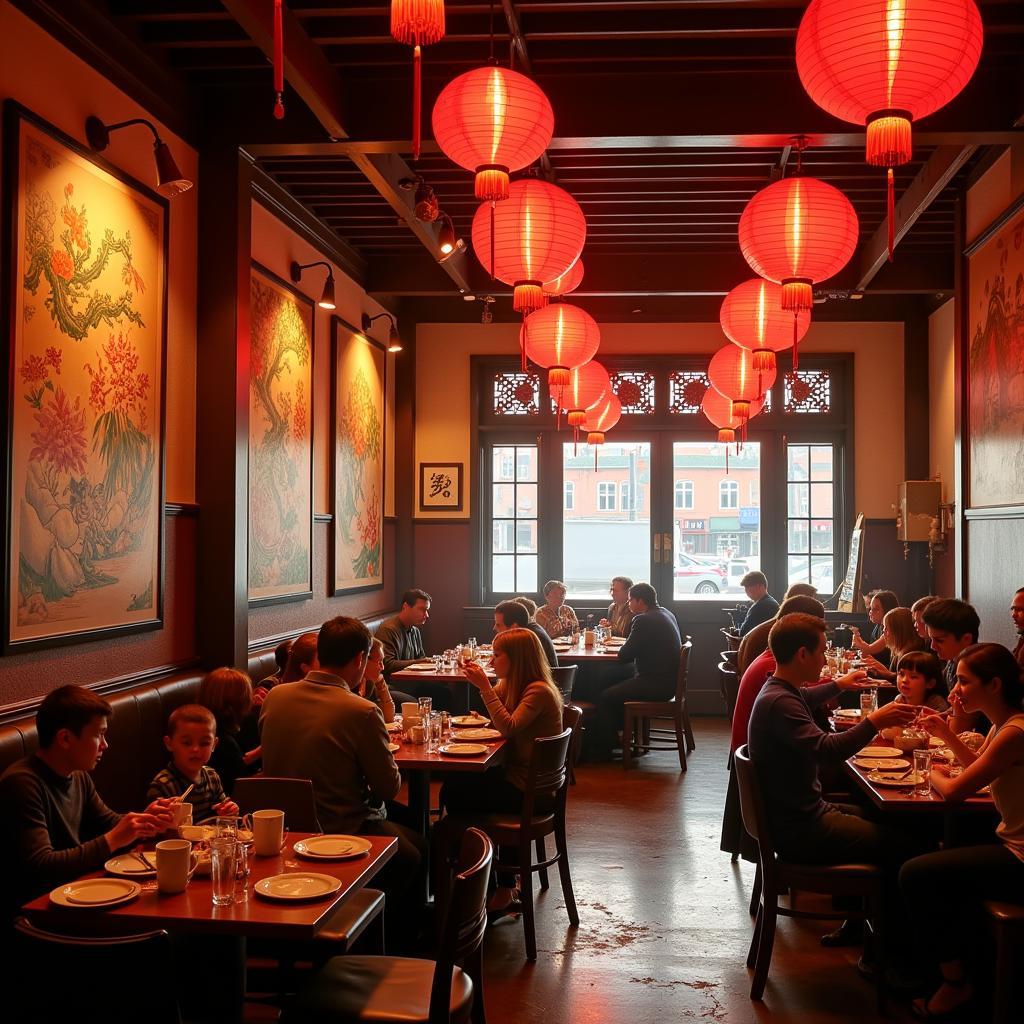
(1017, 614)
(755, 642)
(55, 824)
(318, 729)
(403, 646)
(764, 606)
(619, 617)
(953, 626)
(653, 646)
(512, 614)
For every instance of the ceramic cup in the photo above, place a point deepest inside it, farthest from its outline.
(268, 832)
(181, 814)
(173, 860)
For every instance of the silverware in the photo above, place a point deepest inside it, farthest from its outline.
(141, 858)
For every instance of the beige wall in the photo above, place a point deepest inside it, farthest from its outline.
(443, 382)
(993, 192)
(941, 396)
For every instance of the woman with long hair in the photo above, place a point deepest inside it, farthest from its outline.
(374, 688)
(301, 658)
(878, 603)
(945, 890)
(227, 693)
(900, 637)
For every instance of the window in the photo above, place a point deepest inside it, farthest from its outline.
(810, 515)
(514, 519)
(683, 494)
(569, 488)
(728, 494)
(606, 496)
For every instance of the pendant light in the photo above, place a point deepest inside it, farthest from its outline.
(600, 419)
(560, 337)
(565, 283)
(731, 372)
(417, 23)
(753, 318)
(588, 385)
(718, 410)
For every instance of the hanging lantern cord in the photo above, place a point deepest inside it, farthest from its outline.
(796, 336)
(890, 209)
(491, 59)
(417, 96)
(278, 59)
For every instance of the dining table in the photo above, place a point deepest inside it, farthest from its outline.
(455, 678)
(220, 972)
(579, 653)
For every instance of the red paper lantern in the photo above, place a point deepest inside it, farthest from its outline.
(561, 337)
(718, 409)
(538, 234)
(588, 384)
(492, 120)
(568, 282)
(753, 318)
(731, 372)
(601, 418)
(796, 232)
(885, 64)
(417, 23)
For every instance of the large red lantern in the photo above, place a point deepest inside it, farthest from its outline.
(588, 385)
(536, 235)
(887, 63)
(732, 374)
(797, 232)
(718, 410)
(566, 283)
(753, 318)
(600, 419)
(417, 23)
(492, 120)
(560, 338)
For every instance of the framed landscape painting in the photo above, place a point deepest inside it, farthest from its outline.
(86, 299)
(357, 418)
(280, 441)
(995, 362)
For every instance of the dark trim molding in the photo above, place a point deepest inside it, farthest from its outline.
(447, 521)
(188, 509)
(995, 512)
(323, 517)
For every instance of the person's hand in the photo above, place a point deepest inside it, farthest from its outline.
(892, 714)
(936, 724)
(162, 809)
(855, 680)
(259, 695)
(227, 807)
(477, 676)
(872, 662)
(131, 828)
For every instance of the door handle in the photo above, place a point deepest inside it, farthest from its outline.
(657, 548)
(666, 548)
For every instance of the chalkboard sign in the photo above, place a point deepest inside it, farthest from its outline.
(849, 593)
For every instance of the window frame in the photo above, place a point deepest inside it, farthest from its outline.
(568, 495)
(732, 488)
(607, 489)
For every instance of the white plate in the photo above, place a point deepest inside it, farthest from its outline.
(934, 741)
(333, 847)
(880, 751)
(393, 726)
(884, 763)
(479, 734)
(197, 833)
(394, 748)
(463, 749)
(420, 668)
(126, 865)
(894, 779)
(847, 713)
(473, 720)
(297, 885)
(95, 892)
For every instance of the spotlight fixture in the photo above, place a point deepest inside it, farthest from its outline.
(170, 181)
(447, 242)
(326, 300)
(394, 341)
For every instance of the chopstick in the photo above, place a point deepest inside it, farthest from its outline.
(181, 799)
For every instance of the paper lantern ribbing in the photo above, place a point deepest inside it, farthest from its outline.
(753, 318)
(588, 384)
(732, 374)
(718, 410)
(561, 337)
(600, 419)
(538, 234)
(417, 23)
(567, 282)
(492, 120)
(797, 232)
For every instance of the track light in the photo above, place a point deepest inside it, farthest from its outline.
(170, 181)
(446, 240)
(327, 295)
(394, 341)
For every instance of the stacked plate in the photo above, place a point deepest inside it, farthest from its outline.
(295, 886)
(95, 893)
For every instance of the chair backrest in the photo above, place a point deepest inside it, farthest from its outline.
(466, 920)
(732, 639)
(293, 796)
(548, 772)
(684, 665)
(59, 976)
(752, 809)
(564, 676)
(730, 683)
(731, 657)
(572, 719)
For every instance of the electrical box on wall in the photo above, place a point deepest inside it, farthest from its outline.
(919, 502)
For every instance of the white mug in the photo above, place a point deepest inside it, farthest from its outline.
(173, 860)
(410, 710)
(268, 832)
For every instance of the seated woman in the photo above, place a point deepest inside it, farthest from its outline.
(374, 688)
(944, 891)
(555, 616)
(878, 603)
(227, 693)
(301, 658)
(899, 637)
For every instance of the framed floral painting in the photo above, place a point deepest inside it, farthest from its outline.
(280, 441)
(357, 391)
(86, 302)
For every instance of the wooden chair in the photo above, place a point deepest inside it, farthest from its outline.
(732, 638)
(778, 877)
(564, 677)
(402, 990)
(1007, 920)
(637, 715)
(572, 719)
(293, 796)
(729, 684)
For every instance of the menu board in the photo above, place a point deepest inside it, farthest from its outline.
(849, 593)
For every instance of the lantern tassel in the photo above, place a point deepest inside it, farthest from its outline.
(890, 210)
(726, 460)
(279, 59)
(595, 458)
(417, 98)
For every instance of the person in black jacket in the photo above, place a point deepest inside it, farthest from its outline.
(653, 646)
(764, 606)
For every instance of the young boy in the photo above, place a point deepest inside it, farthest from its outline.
(191, 738)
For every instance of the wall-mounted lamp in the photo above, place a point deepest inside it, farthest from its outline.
(446, 240)
(170, 181)
(394, 341)
(327, 296)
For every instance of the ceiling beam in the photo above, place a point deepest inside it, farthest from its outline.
(518, 43)
(938, 171)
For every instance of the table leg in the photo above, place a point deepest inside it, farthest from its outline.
(419, 800)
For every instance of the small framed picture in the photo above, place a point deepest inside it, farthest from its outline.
(441, 486)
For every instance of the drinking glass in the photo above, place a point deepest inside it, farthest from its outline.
(867, 703)
(472, 645)
(222, 869)
(426, 706)
(244, 853)
(433, 734)
(438, 661)
(445, 722)
(922, 768)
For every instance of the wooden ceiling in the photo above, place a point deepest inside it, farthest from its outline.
(670, 115)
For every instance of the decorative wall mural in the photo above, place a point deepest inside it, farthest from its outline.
(995, 340)
(280, 441)
(360, 365)
(88, 248)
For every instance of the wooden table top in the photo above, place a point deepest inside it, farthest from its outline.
(901, 798)
(414, 757)
(193, 911)
(577, 652)
(455, 675)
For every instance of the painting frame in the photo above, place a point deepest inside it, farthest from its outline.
(454, 504)
(981, 447)
(305, 593)
(16, 120)
(345, 338)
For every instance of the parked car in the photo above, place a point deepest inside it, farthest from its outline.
(694, 577)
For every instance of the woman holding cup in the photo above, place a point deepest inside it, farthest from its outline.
(945, 890)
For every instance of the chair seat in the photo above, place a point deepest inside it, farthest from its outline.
(649, 708)
(349, 921)
(504, 828)
(834, 879)
(376, 988)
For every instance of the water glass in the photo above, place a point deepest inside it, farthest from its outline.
(472, 645)
(433, 731)
(868, 702)
(922, 769)
(222, 869)
(438, 661)
(243, 865)
(445, 722)
(426, 706)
